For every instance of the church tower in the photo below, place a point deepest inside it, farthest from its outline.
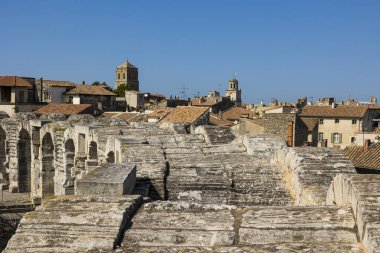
(233, 91)
(128, 74)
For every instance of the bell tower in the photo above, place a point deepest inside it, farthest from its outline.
(128, 74)
(233, 91)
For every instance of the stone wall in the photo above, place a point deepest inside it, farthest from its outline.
(277, 124)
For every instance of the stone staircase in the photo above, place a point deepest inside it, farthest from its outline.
(190, 227)
(238, 179)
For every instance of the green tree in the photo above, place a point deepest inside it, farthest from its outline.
(120, 90)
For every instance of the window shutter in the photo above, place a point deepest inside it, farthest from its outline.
(340, 138)
(332, 137)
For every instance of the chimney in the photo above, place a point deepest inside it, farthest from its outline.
(333, 105)
(367, 143)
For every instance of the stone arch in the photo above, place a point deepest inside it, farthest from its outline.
(69, 163)
(3, 153)
(24, 159)
(47, 167)
(111, 157)
(93, 150)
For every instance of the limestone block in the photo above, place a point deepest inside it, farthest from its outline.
(363, 193)
(75, 224)
(264, 145)
(216, 134)
(311, 171)
(110, 180)
(298, 225)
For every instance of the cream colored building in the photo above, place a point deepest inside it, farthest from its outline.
(339, 124)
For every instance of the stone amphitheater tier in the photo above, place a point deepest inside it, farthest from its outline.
(204, 192)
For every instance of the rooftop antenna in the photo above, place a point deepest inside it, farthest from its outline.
(183, 91)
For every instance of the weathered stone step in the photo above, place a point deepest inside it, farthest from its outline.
(74, 224)
(160, 225)
(277, 247)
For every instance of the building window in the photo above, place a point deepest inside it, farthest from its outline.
(118, 76)
(321, 121)
(123, 75)
(336, 138)
(354, 121)
(320, 136)
(353, 139)
(336, 120)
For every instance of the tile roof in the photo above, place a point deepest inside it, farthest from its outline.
(207, 101)
(353, 152)
(79, 89)
(259, 122)
(131, 116)
(185, 114)
(66, 109)
(340, 111)
(14, 81)
(126, 64)
(215, 120)
(369, 159)
(53, 83)
(310, 123)
(127, 116)
(160, 113)
(236, 113)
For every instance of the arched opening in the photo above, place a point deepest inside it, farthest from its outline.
(93, 150)
(47, 148)
(24, 161)
(69, 163)
(111, 157)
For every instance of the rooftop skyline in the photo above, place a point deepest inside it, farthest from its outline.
(279, 49)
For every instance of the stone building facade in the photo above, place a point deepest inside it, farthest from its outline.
(233, 91)
(128, 74)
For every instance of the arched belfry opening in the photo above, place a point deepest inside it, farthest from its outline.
(24, 159)
(93, 150)
(47, 167)
(111, 157)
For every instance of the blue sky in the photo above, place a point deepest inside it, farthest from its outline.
(279, 49)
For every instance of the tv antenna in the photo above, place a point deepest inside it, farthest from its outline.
(182, 91)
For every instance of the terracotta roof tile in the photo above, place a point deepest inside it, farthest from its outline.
(160, 113)
(66, 109)
(340, 111)
(310, 123)
(53, 83)
(185, 114)
(236, 113)
(14, 81)
(353, 152)
(79, 89)
(369, 159)
(259, 122)
(215, 120)
(204, 102)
